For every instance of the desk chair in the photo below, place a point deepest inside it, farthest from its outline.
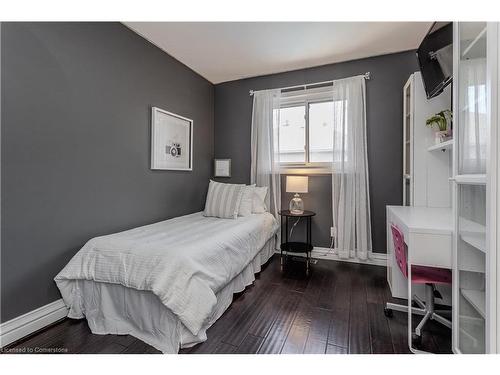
(419, 275)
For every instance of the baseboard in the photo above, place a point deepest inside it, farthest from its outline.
(375, 259)
(32, 321)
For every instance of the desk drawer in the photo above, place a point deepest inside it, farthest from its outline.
(432, 250)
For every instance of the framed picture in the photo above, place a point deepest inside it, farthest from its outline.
(171, 141)
(222, 168)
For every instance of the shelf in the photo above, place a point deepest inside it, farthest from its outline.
(468, 327)
(470, 260)
(476, 240)
(477, 299)
(474, 45)
(471, 179)
(469, 226)
(296, 247)
(448, 145)
(474, 234)
(406, 177)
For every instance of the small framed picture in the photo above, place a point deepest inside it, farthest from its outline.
(222, 168)
(171, 141)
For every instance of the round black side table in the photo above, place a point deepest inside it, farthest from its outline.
(296, 247)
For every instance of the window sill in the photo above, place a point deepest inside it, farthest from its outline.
(306, 170)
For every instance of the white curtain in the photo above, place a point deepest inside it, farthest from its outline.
(472, 99)
(265, 170)
(350, 193)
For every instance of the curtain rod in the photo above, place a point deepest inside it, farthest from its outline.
(367, 76)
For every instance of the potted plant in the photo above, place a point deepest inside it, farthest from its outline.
(442, 121)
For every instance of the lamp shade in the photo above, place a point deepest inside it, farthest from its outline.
(297, 184)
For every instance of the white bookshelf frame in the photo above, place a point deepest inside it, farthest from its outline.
(487, 304)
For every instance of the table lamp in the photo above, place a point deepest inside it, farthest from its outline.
(297, 184)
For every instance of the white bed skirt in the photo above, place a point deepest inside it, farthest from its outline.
(115, 309)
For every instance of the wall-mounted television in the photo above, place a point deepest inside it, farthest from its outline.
(435, 58)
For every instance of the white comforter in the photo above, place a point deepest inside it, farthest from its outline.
(184, 261)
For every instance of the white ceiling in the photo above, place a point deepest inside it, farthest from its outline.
(225, 51)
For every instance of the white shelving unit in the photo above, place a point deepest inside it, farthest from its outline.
(475, 187)
(425, 173)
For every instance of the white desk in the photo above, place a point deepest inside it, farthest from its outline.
(427, 233)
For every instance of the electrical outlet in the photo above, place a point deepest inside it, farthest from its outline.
(332, 232)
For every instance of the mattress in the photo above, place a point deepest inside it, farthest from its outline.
(185, 270)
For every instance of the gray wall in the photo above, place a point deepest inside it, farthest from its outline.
(75, 159)
(233, 110)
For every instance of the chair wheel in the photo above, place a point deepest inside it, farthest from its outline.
(416, 340)
(388, 312)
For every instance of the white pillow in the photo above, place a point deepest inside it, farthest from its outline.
(246, 201)
(259, 200)
(223, 200)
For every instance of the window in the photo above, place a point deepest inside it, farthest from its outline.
(306, 128)
(292, 134)
(321, 132)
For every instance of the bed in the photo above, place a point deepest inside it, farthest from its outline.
(168, 282)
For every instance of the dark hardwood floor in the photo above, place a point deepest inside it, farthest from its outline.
(338, 309)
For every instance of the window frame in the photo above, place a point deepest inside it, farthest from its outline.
(311, 96)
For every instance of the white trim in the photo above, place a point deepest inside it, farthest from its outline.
(491, 188)
(32, 321)
(495, 187)
(454, 193)
(492, 183)
(375, 259)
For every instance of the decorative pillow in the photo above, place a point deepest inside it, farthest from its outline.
(259, 200)
(223, 200)
(246, 201)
